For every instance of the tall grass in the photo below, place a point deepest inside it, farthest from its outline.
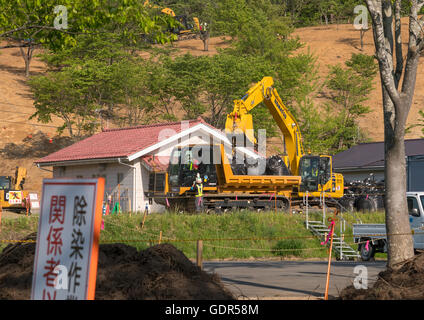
(236, 235)
(240, 234)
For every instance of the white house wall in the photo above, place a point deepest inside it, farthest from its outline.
(153, 207)
(108, 171)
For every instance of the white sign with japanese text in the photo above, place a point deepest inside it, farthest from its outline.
(65, 264)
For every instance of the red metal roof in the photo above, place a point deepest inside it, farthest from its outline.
(116, 143)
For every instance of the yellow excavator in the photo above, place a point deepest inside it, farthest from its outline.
(12, 194)
(316, 172)
(186, 29)
(261, 184)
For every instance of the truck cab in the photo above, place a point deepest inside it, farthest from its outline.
(416, 217)
(371, 238)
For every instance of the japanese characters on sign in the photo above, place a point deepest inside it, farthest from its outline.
(65, 265)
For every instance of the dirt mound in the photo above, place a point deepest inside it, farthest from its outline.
(407, 283)
(161, 272)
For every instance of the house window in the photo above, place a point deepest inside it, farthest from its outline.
(80, 177)
(120, 177)
(61, 171)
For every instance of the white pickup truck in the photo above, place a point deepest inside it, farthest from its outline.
(371, 237)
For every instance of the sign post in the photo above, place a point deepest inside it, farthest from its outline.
(65, 264)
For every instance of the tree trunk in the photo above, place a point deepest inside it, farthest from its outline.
(362, 32)
(399, 239)
(27, 55)
(396, 105)
(205, 36)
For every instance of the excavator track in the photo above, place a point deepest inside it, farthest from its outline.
(220, 203)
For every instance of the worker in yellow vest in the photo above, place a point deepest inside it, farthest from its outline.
(198, 187)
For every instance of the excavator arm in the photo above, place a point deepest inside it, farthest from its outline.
(239, 121)
(20, 175)
(316, 171)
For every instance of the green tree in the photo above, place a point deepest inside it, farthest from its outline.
(82, 87)
(186, 83)
(419, 124)
(28, 24)
(226, 78)
(349, 89)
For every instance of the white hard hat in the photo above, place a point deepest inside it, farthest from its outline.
(198, 179)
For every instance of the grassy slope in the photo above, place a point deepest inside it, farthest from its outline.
(241, 235)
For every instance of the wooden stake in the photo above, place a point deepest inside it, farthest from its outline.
(144, 219)
(290, 206)
(119, 197)
(129, 202)
(160, 237)
(199, 260)
(275, 200)
(329, 264)
(1, 211)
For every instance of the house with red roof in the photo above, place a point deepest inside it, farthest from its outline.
(127, 158)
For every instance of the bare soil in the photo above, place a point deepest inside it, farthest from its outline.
(334, 44)
(406, 283)
(161, 272)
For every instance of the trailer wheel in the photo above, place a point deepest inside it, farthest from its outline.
(367, 254)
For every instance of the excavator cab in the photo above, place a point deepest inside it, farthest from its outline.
(315, 172)
(5, 183)
(186, 162)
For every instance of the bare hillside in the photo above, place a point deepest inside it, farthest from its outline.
(16, 106)
(335, 44)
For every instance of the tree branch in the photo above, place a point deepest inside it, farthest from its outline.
(414, 47)
(383, 52)
(398, 41)
(39, 28)
(23, 45)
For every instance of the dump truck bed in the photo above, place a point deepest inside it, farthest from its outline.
(252, 183)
